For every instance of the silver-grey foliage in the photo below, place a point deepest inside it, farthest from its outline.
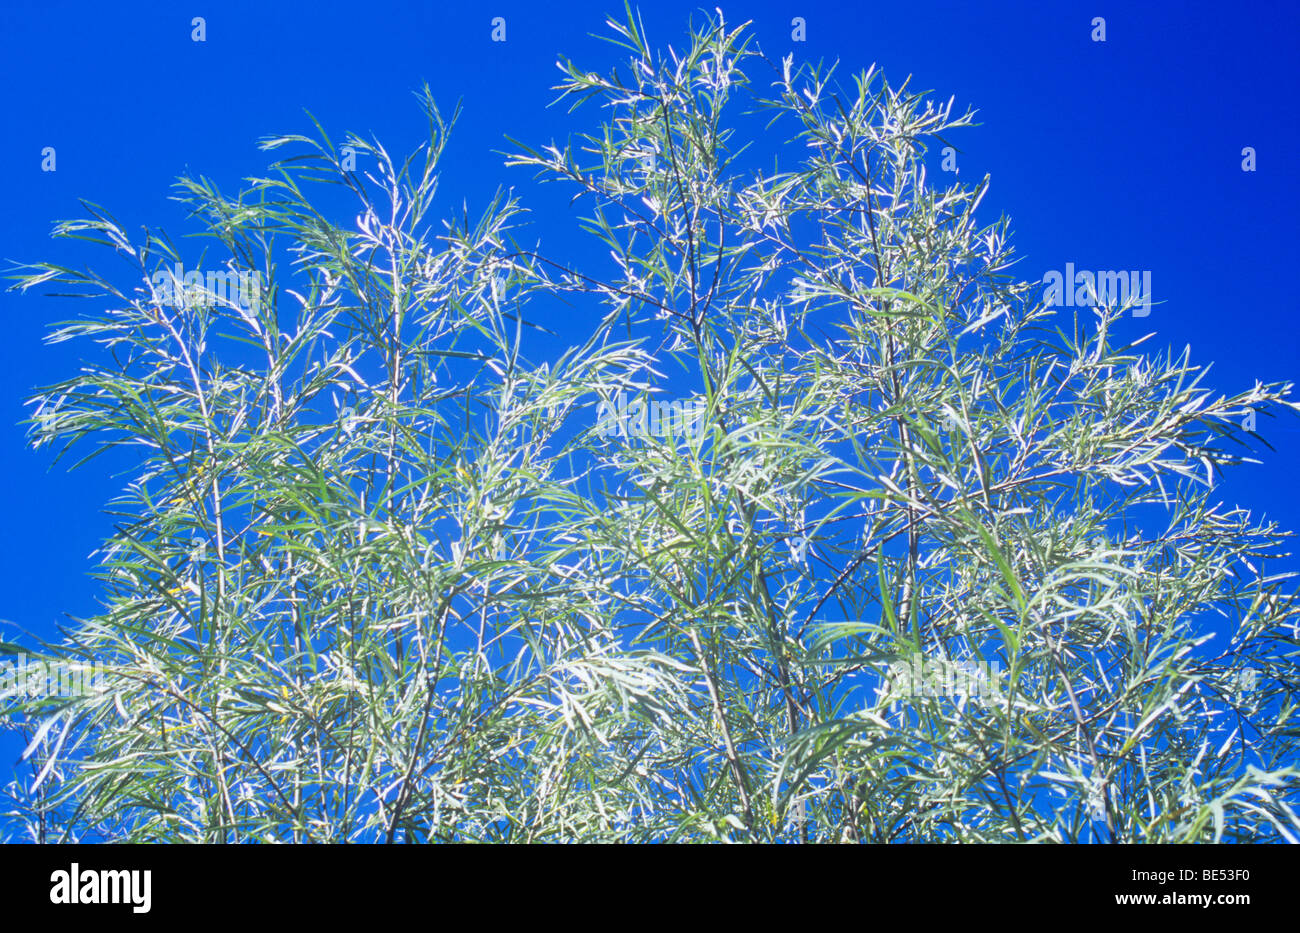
(379, 576)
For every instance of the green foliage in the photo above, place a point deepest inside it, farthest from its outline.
(379, 577)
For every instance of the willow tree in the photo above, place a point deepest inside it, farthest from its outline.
(382, 573)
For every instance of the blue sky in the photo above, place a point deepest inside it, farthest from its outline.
(1123, 154)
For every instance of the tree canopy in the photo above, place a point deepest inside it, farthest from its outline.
(915, 556)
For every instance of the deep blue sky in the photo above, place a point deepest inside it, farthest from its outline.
(1117, 155)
